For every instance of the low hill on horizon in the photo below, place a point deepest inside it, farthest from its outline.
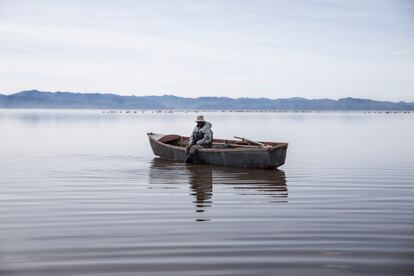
(69, 100)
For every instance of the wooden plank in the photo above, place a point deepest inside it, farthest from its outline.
(250, 141)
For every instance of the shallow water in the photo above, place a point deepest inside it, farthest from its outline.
(82, 194)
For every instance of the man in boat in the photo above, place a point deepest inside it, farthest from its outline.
(202, 137)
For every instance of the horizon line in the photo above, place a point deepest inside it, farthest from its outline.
(294, 97)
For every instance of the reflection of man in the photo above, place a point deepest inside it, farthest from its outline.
(201, 181)
(202, 137)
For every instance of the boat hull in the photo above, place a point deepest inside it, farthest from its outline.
(255, 157)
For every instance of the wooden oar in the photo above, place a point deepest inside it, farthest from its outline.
(250, 141)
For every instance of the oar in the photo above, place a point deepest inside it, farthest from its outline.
(250, 141)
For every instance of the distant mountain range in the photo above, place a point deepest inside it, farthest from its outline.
(68, 100)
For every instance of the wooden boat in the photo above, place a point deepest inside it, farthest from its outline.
(233, 153)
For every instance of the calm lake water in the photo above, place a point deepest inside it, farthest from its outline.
(82, 194)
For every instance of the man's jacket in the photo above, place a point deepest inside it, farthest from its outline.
(202, 136)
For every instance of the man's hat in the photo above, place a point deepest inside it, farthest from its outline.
(200, 119)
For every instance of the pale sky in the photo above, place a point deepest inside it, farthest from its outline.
(274, 49)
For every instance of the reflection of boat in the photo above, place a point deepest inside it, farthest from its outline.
(232, 153)
(253, 181)
(202, 178)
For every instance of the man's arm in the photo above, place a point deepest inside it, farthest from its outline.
(207, 139)
(191, 141)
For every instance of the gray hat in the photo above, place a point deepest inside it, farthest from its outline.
(200, 119)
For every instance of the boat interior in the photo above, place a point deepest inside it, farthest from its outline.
(182, 141)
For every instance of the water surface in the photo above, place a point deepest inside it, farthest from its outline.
(82, 194)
